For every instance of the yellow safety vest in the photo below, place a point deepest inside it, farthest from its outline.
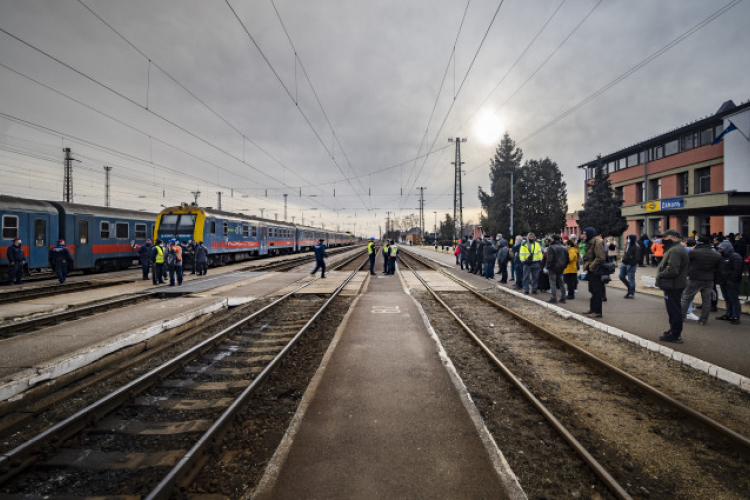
(536, 251)
(393, 251)
(159, 255)
(371, 248)
(386, 249)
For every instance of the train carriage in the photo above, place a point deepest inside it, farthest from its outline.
(103, 238)
(35, 222)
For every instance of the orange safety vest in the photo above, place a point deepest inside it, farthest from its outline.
(657, 249)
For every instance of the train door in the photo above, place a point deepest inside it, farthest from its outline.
(40, 242)
(263, 239)
(82, 241)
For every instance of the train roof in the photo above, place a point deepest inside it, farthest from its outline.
(26, 205)
(77, 208)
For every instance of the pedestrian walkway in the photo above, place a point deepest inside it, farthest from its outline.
(384, 420)
(717, 343)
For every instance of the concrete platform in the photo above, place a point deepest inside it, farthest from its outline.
(383, 418)
(715, 346)
(26, 360)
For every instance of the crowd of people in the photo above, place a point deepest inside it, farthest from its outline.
(172, 259)
(556, 264)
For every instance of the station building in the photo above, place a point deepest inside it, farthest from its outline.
(685, 179)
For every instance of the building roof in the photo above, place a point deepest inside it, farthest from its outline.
(727, 108)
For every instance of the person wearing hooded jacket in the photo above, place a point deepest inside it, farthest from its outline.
(671, 277)
(630, 259)
(593, 259)
(729, 280)
(557, 261)
(489, 254)
(704, 270)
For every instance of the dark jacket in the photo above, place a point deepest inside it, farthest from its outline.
(503, 253)
(320, 251)
(595, 253)
(632, 255)
(557, 257)
(489, 252)
(144, 252)
(60, 254)
(704, 263)
(732, 266)
(674, 265)
(473, 248)
(15, 254)
(201, 254)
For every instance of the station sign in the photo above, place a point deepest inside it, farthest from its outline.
(666, 204)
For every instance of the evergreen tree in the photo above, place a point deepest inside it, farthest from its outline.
(447, 230)
(496, 202)
(541, 198)
(603, 210)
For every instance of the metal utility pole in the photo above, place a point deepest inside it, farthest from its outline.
(261, 212)
(218, 203)
(388, 223)
(458, 217)
(421, 212)
(285, 195)
(195, 195)
(107, 170)
(435, 227)
(68, 177)
(511, 205)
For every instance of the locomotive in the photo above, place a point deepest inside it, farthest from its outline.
(230, 237)
(100, 238)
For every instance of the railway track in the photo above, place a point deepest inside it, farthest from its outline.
(167, 421)
(30, 293)
(639, 441)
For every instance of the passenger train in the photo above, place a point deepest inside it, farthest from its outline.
(106, 239)
(100, 238)
(231, 237)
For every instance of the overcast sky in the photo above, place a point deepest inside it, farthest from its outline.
(185, 98)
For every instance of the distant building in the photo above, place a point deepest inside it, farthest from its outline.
(679, 180)
(412, 237)
(571, 224)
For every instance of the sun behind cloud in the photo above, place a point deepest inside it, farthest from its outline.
(488, 127)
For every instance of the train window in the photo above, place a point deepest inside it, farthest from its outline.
(168, 224)
(213, 227)
(10, 227)
(122, 231)
(40, 233)
(245, 231)
(186, 225)
(225, 228)
(104, 230)
(255, 231)
(83, 232)
(140, 231)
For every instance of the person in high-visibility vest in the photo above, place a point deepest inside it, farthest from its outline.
(371, 255)
(531, 259)
(392, 257)
(386, 256)
(157, 257)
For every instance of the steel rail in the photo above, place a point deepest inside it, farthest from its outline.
(22, 294)
(14, 461)
(186, 467)
(596, 467)
(735, 437)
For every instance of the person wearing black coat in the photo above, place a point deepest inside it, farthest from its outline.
(704, 270)
(489, 253)
(630, 260)
(473, 250)
(731, 274)
(503, 253)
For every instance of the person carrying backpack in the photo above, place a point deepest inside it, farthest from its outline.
(174, 262)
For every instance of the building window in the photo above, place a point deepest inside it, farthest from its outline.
(654, 189)
(655, 226)
(632, 160)
(684, 183)
(657, 153)
(140, 231)
(707, 136)
(703, 180)
(122, 231)
(104, 230)
(718, 129)
(618, 193)
(672, 147)
(642, 157)
(639, 193)
(704, 225)
(684, 230)
(10, 227)
(688, 142)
